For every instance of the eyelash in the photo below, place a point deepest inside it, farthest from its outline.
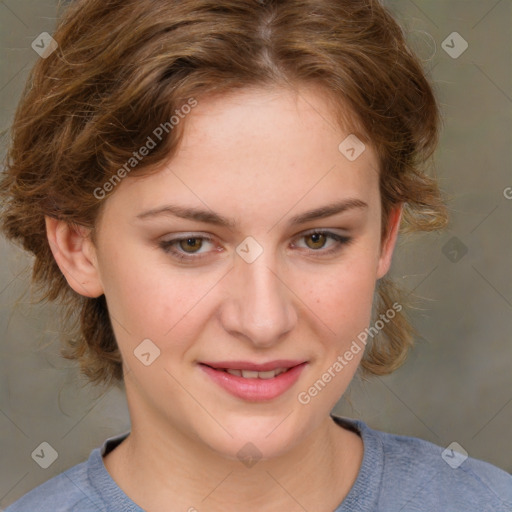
(340, 240)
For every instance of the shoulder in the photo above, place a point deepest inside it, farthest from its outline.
(82, 488)
(67, 491)
(410, 474)
(442, 478)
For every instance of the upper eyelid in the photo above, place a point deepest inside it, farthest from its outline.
(210, 238)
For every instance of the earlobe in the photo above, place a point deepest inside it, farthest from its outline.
(75, 255)
(395, 216)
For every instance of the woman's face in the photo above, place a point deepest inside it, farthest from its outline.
(260, 293)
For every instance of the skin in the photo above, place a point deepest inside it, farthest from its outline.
(258, 157)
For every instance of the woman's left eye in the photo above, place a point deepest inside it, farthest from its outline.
(188, 247)
(319, 239)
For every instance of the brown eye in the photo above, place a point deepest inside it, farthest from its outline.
(188, 248)
(318, 240)
(190, 244)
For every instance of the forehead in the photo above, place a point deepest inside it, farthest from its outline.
(243, 152)
(254, 115)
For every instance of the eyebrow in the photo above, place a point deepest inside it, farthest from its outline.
(211, 217)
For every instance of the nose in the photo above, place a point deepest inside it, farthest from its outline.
(260, 307)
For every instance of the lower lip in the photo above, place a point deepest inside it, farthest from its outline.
(255, 390)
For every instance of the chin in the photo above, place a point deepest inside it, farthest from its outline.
(261, 436)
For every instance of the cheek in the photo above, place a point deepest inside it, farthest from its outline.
(342, 296)
(159, 302)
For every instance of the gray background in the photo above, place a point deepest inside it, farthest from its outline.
(457, 382)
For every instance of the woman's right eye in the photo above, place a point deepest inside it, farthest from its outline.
(185, 248)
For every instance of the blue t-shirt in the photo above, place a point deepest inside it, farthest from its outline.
(398, 474)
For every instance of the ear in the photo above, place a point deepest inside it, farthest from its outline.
(75, 255)
(389, 242)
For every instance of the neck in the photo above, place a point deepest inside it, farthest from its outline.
(172, 468)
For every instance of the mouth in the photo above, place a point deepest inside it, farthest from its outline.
(254, 382)
(250, 374)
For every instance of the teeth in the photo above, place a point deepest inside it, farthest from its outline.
(250, 374)
(267, 375)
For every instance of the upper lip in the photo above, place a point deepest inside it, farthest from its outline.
(250, 366)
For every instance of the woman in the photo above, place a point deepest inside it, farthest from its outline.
(216, 189)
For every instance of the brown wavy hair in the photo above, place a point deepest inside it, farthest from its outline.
(123, 67)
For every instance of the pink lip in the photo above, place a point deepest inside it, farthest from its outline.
(254, 390)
